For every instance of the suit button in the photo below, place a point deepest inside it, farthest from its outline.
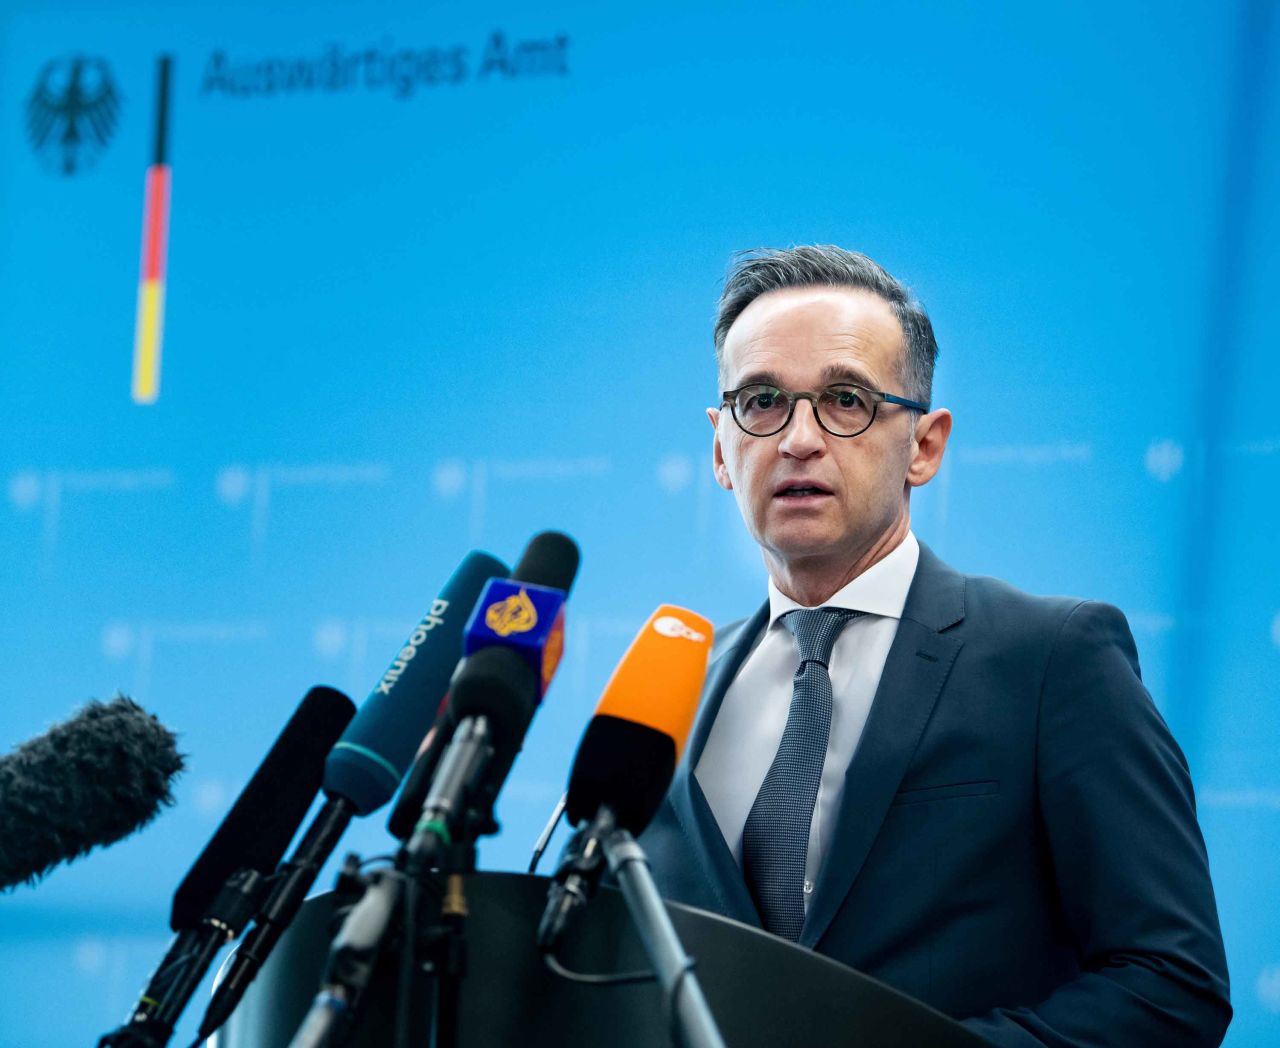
(808, 887)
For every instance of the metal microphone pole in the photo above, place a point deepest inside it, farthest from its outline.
(443, 842)
(673, 966)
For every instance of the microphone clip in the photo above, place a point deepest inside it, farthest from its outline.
(582, 862)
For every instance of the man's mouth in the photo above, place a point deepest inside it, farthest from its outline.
(800, 491)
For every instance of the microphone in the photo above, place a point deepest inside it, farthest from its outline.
(88, 781)
(549, 558)
(549, 561)
(269, 810)
(369, 761)
(404, 813)
(493, 678)
(514, 641)
(628, 755)
(228, 880)
(364, 769)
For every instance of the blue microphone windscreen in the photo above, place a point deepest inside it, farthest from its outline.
(370, 759)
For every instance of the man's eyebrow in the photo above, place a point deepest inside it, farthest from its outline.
(831, 374)
(759, 378)
(847, 373)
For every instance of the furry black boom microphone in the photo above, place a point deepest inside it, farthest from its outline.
(89, 780)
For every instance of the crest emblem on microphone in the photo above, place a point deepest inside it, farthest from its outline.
(515, 614)
(523, 616)
(72, 112)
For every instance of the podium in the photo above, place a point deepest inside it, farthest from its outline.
(762, 990)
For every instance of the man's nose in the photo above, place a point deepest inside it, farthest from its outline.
(803, 437)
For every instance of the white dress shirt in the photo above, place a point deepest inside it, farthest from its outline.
(748, 728)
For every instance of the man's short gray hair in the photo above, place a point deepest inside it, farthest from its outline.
(761, 270)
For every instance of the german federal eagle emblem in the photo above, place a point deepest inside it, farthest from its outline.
(72, 113)
(516, 614)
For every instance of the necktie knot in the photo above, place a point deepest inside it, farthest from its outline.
(815, 631)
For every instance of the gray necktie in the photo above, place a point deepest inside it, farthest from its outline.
(775, 839)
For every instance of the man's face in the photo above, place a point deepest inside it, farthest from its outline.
(805, 339)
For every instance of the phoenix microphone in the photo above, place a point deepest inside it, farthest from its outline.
(88, 781)
(371, 758)
(365, 767)
(514, 641)
(229, 880)
(629, 752)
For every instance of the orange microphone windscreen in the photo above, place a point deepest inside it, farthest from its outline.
(631, 747)
(659, 679)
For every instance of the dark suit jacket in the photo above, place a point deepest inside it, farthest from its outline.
(1017, 844)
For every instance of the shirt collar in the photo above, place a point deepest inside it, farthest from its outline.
(880, 590)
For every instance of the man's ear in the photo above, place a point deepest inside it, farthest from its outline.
(717, 453)
(928, 446)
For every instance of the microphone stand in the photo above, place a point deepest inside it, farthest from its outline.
(458, 810)
(369, 933)
(446, 944)
(674, 967)
(176, 980)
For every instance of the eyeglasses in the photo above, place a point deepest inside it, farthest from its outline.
(842, 410)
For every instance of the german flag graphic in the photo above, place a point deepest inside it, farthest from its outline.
(149, 331)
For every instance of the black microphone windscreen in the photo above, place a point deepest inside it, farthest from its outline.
(499, 684)
(89, 780)
(625, 765)
(408, 806)
(491, 684)
(258, 828)
(550, 559)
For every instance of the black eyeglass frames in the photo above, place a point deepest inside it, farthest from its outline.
(843, 410)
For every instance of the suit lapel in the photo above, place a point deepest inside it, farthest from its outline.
(711, 852)
(915, 672)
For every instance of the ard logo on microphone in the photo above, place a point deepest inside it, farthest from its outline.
(516, 614)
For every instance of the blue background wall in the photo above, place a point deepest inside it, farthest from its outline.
(408, 320)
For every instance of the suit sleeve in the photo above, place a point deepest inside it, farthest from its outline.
(1132, 876)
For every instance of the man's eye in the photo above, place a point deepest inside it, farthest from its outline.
(762, 400)
(843, 399)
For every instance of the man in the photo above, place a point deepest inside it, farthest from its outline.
(950, 785)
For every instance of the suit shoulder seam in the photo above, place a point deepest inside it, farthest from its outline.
(1044, 673)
